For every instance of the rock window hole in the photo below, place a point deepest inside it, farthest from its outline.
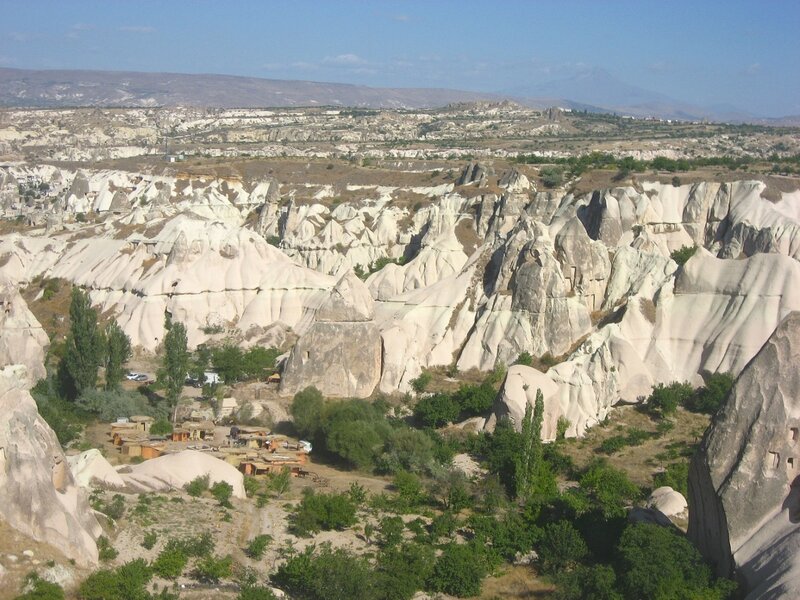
(775, 459)
(790, 462)
(793, 434)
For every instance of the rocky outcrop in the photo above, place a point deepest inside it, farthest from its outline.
(174, 471)
(91, 469)
(38, 495)
(340, 354)
(23, 341)
(744, 488)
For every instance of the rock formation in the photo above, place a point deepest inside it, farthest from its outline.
(340, 354)
(174, 471)
(38, 495)
(744, 489)
(22, 340)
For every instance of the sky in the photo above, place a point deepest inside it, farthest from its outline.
(745, 54)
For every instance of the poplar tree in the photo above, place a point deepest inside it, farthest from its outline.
(176, 360)
(84, 345)
(117, 353)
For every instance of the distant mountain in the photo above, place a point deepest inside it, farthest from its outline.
(29, 88)
(596, 86)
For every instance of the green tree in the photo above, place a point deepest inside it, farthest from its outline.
(665, 399)
(257, 546)
(117, 348)
(595, 582)
(437, 410)
(222, 491)
(533, 477)
(170, 562)
(83, 352)
(211, 569)
(608, 488)
(176, 360)
(458, 571)
(306, 412)
(660, 564)
(683, 254)
(402, 570)
(228, 363)
(561, 548)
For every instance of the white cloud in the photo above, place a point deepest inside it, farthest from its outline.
(138, 29)
(752, 69)
(401, 18)
(344, 60)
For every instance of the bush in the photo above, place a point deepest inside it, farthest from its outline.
(391, 531)
(114, 509)
(124, 583)
(150, 539)
(421, 383)
(437, 410)
(676, 476)
(318, 512)
(326, 574)
(105, 550)
(37, 588)
(709, 398)
(683, 254)
(197, 486)
(109, 405)
(458, 571)
(551, 176)
(665, 399)
(222, 492)
(409, 488)
(257, 546)
(608, 489)
(561, 548)
(170, 562)
(525, 359)
(402, 570)
(211, 569)
(256, 592)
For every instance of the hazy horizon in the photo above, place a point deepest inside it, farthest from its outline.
(737, 55)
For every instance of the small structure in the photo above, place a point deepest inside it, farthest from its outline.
(203, 430)
(142, 422)
(226, 407)
(274, 378)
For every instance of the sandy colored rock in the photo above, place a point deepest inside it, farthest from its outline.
(743, 480)
(340, 354)
(91, 469)
(38, 495)
(174, 471)
(667, 501)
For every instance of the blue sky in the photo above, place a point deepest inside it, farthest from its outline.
(741, 53)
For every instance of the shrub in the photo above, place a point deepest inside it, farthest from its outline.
(124, 583)
(676, 476)
(437, 410)
(257, 546)
(709, 398)
(409, 488)
(256, 592)
(391, 531)
(150, 539)
(421, 383)
(551, 176)
(211, 569)
(458, 571)
(37, 588)
(222, 492)
(403, 569)
(108, 405)
(524, 358)
(665, 399)
(326, 574)
(170, 562)
(197, 486)
(105, 550)
(608, 488)
(114, 509)
(561, 548)
(318, 512)
(683, 254)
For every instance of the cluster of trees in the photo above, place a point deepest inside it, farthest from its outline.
(358, 434)
(601, 160)
(234, 364)
(666, 398)
(442, 408)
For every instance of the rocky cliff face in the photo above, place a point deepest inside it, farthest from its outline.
(22, 340)
(340, 354)
(744, 487)
(492, 268)
(38, 495)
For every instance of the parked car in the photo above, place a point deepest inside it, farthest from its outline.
(140, 377)
(133, 376)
